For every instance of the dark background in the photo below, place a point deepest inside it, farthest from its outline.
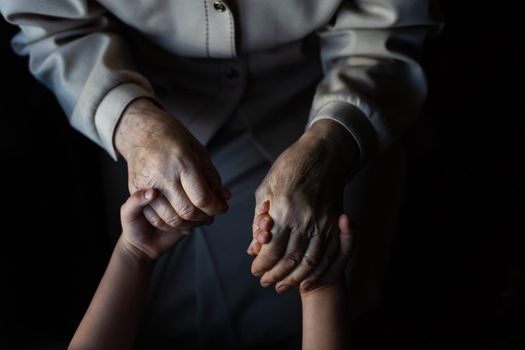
(457, 275)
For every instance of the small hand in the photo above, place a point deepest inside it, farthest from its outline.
(138, 235)
(262, 225)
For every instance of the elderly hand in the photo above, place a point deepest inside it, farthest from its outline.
(298, 205)
(162, 154)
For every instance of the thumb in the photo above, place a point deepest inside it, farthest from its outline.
(132, 208)
(345, 236)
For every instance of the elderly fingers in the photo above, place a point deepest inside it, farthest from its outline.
(295, 250)
(271, 252)
(330, 255)
(183, 206)
(311, 259)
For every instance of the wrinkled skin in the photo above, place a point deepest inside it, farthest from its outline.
(298, 206)
(162, 154)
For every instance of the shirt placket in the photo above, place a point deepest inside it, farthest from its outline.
(220, 29)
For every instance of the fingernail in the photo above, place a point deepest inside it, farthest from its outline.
(148, 194)
(307, 285)
(257, 273)
(283, 288)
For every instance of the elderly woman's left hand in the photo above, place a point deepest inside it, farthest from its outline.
(304, 189)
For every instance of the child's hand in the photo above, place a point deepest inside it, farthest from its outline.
(326, 275)
(138, 235)
(262, 225)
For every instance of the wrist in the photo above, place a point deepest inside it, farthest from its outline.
(341, 142)
(131, 253)
(134, 125)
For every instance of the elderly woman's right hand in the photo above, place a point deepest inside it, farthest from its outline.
(162, 154)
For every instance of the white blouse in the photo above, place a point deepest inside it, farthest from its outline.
(281, 64)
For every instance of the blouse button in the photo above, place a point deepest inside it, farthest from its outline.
(219, 6)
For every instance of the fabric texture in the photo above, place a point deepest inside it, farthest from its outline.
(270, 58)
(246, 79)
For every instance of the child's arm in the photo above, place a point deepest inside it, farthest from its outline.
(325, 319)
(323, 296)
(112, 317)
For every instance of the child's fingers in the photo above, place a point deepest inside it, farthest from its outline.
(261, 236)
(261, 218)
(132, 208)
(344, 224)
(345, 237)
(254, 248)
(265, 207)
(257, 248)
(262, 224)
(250, 248)
(263, 221)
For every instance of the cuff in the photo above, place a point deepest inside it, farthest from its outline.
(354, 120)
(111, 109)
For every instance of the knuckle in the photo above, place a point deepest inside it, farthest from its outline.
(156, 221)
(309, 261)
(272, 253)
(203, 200)
(291, 259)
(172, 220)
(187, 212)
(293, 280)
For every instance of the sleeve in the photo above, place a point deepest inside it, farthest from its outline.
(74, 49)
(373, 84)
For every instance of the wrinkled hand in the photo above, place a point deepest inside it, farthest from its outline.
(298, 205)
(321, 276)
(162, 154)
(139, 237)
(325, 277)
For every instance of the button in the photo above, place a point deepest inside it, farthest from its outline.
(232, 74)
(219, 6)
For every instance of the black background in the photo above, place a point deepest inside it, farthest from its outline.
(457, 275)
